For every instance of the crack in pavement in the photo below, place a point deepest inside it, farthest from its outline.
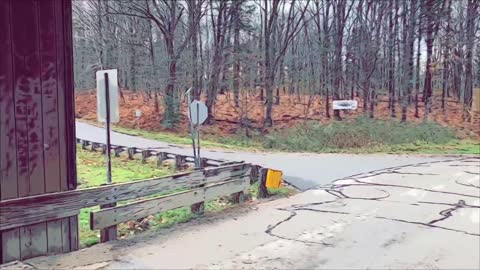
(467, 185)
(448, 212)
(338, 191)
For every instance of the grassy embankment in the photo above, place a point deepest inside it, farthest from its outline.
(360, 135)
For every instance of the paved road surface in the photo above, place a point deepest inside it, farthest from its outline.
(304, 171)
(420, 216)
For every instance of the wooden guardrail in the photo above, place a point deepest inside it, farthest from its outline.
(197, 186)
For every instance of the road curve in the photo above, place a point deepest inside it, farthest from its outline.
(304, 171)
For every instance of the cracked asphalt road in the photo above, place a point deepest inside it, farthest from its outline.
(424, 215)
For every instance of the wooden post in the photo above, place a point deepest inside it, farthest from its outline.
(145, 155)
(84, 144)
(118, 150)
(254, 173)
(93, 146)
(104, 149)
(179, 161)
(109, 233)
(203, 162)
(198, 208)
(131, 152)
(160, 158)
(238, 197)
(262, 188)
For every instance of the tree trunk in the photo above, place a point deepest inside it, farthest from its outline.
(194, 45)
(417, 67)
(236, 53)
(446, 58)
(170, 114)
(405, 79)
(472, 12)
(427, 88)
(391, 61)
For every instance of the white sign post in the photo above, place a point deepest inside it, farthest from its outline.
(112, 84)
(107, 108)
(197, 114)
(138, 114)
(345, 104)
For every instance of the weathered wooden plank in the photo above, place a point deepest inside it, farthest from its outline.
(30, 210)
(49, 79)
(54, 234)
(111, 216)
(220, 174)
(33, 240)
(33, 98)
(108, 233)
(8, 153)
(65, 234)
(66, 94)
(20, 32)
(74, 233)
(10, 245)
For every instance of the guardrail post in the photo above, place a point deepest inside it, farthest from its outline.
(145, 155)
(254, 174)
(203, 162)
(198, 208)
(131, 152)
(179, 161)
(84, 145)
(93, 146)
(109, 233)
(104, 149)
(118, 150)
(262, 188)
(238, 197)
(160, 158)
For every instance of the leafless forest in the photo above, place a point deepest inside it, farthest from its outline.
(412, 54)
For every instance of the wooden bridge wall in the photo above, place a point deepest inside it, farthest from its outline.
(37, 125)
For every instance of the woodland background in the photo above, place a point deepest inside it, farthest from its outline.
(278, 63)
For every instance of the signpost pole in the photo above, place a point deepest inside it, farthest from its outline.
(192, 131)
(107, 129)
(197, 158)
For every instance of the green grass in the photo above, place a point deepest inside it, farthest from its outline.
(91, 168)
(91, 172)
(209, 141)
(361, 135)
(452, 147)
(365, 135)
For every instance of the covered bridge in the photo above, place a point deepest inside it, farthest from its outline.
(37, 125)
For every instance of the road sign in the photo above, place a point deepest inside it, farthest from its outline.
(138, 113)
(113, 96)
(345, 104)
(198, 112)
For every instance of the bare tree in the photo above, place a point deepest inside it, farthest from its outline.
(276, 46)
